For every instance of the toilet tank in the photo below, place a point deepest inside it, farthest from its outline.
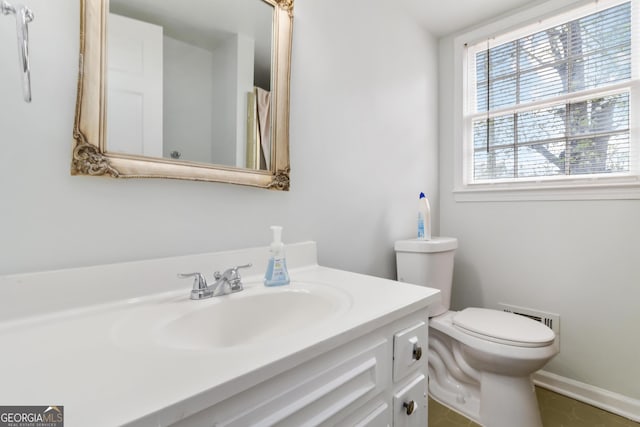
(428, 263)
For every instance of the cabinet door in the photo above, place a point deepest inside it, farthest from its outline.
(409, 350)
(378, 417)
(328, 388)
(374, 413)
(410, 403)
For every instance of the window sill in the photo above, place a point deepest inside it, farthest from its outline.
(517, 192)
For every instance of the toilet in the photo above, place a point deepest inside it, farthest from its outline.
(480, 360)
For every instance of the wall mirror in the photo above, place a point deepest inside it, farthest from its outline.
(195, 90)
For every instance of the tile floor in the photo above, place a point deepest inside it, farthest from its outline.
(556, 411)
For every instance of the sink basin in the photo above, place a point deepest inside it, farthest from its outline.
(255, 314)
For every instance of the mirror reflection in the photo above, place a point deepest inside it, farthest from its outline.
(190, 81)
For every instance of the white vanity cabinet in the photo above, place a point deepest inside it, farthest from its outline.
(333, 348)
(374, 380)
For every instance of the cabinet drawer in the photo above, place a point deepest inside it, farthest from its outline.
(409, 350)
(410, 404)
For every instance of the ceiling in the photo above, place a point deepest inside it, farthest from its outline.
(203, 23)
(443, 17)
(196, 20)
(207, 23)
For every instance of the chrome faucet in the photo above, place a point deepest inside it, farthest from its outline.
(226, 283)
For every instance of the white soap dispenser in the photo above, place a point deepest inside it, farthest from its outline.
(277, 273)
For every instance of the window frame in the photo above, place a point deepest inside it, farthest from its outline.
(564, 187)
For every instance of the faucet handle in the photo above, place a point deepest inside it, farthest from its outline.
(231, 277)
(200, 289)
(234, 276)
(236, 284)
(231, 273)
(236, 268)
(199, 282)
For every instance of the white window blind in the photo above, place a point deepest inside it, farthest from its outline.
(554, 103)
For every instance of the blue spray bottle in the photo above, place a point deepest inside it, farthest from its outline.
(424, 218)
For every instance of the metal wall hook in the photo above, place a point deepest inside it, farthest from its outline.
(24, 16)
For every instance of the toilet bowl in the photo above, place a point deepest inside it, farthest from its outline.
(480, 360)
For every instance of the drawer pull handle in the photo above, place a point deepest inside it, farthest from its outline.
(417, 352)
(410, 407)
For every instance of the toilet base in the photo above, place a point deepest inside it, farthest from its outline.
(465, 400)
(501, 401)
(505, 399)
(465, 380)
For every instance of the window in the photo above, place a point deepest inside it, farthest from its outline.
(552, 103)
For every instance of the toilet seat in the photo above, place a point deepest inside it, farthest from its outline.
(503, 327)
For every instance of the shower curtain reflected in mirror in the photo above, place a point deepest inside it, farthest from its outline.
(259, 129)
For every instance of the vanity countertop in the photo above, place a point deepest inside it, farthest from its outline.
(77, 358)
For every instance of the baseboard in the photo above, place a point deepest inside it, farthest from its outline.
(595, 396)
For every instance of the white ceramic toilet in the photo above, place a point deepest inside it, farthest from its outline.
(480, 360)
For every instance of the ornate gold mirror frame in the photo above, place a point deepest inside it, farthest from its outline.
(89, 154)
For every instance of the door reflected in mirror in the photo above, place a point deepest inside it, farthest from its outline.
(190, 81)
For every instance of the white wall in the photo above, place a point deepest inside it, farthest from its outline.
(363, 145)
(223, 120)
(575, 258)
(188, 104)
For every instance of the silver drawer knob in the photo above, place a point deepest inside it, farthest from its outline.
(410, 407)
(417, 352)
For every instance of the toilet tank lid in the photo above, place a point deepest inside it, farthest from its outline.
(436, 244)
